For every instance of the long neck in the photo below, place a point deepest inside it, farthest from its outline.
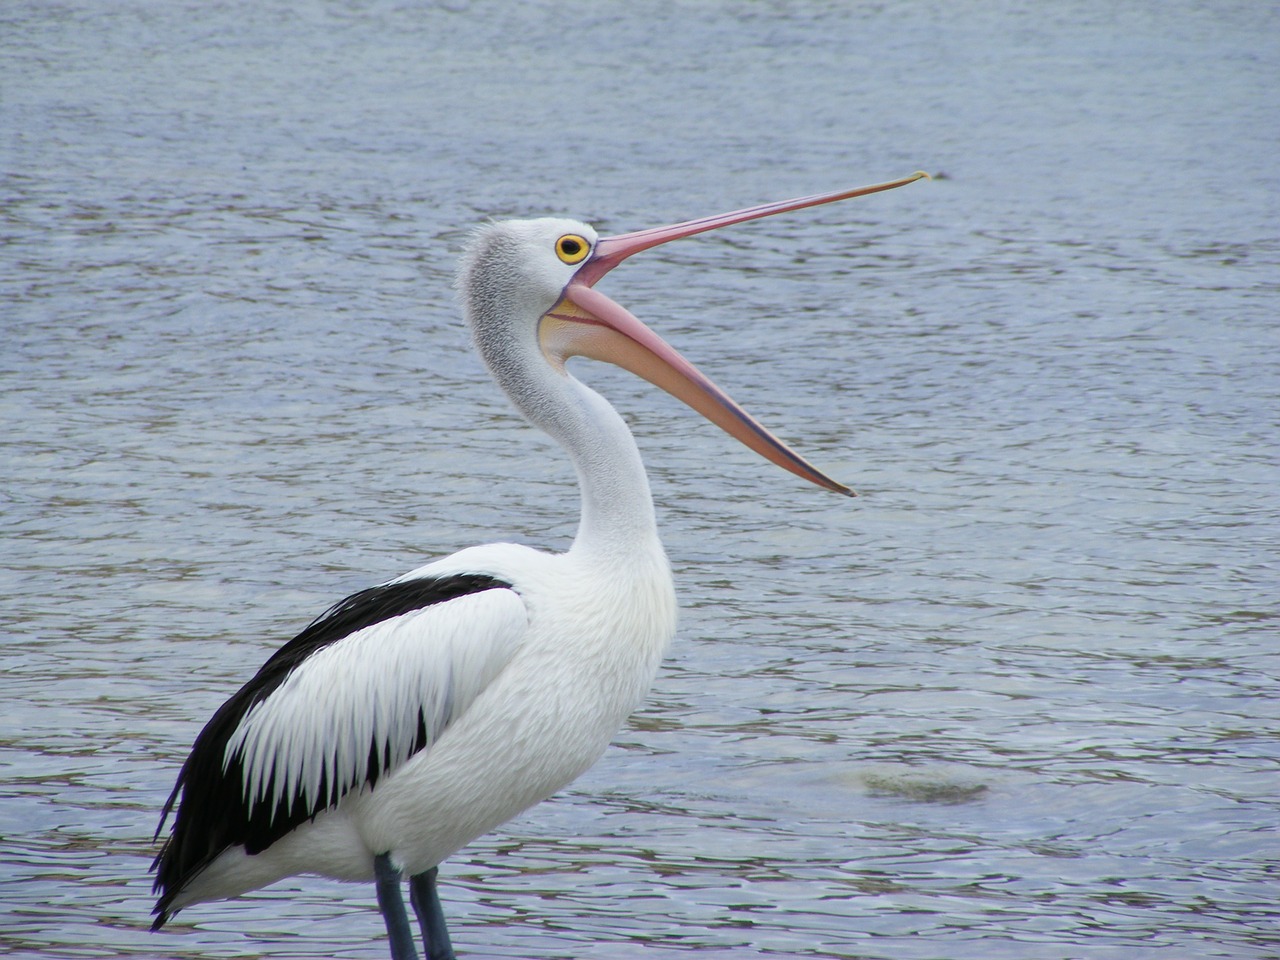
(504, 300)
(617, 507)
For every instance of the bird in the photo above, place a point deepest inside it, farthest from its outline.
(416, 715)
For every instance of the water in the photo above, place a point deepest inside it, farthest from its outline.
(1017, 701)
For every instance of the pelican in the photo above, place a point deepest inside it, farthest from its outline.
(416, 715)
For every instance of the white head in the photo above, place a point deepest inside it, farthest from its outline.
(520, 267)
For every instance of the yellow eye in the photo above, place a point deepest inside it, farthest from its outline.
(572, 248)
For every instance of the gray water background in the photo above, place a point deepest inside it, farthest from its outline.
(1017, 701)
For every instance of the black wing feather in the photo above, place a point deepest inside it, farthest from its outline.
(213, 813)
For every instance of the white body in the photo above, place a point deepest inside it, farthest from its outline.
(546, 717)
(541, 677)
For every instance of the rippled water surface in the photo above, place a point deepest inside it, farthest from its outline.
(1016, 701)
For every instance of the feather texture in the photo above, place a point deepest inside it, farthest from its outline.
(367, 685)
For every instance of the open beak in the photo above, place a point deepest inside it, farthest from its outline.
(587, 323)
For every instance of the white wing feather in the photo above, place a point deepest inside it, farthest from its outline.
(372, 687)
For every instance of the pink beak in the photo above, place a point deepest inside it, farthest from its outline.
(587, 323)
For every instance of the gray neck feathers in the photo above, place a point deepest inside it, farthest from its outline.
(503, 311)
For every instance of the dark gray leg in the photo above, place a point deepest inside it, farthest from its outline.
(426, 904)
(391, 903)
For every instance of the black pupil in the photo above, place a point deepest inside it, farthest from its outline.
(570, 248)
